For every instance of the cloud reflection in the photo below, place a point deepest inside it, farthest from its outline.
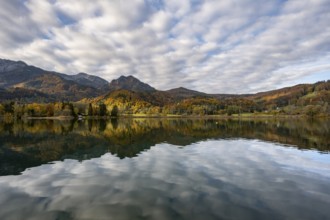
(207, 180)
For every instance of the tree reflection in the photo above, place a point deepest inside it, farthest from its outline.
(34, 142)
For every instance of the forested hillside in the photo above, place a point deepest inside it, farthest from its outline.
(28, 91)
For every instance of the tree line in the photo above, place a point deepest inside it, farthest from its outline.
(311, 100)
(194, 107)
(57, 109)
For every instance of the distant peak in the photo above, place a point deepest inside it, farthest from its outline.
(130, 83)
(180, 89)
(19, 62)
(127, 77)
(82, 74)
(9, 65)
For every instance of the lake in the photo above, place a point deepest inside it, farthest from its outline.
(165, 169)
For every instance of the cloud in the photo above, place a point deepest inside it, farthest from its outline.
(213, 46)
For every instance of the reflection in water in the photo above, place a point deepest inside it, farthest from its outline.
(213, 179)
(25, 144)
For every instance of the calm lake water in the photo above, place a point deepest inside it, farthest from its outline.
(165, 169)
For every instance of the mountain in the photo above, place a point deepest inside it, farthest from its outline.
(87, 80)
(25, 95)
(8, 65)
(22, 82)
(130, 83)
(183, 93)
(301, 95)
(122, 96)
(17, 74)
(52, 84)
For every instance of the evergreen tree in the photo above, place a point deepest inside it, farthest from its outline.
(114, 111)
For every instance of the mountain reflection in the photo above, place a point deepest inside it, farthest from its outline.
(31, 143)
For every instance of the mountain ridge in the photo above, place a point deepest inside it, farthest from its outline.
(17, 74)
(23, 83)
(130, 83)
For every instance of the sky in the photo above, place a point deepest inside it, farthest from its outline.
(227, 46)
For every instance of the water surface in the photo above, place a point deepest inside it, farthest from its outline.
(165, 169)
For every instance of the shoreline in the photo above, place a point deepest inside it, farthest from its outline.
(250, 116)
(51, 118)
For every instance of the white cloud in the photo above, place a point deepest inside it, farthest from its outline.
(212, 46)
(42, 13)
